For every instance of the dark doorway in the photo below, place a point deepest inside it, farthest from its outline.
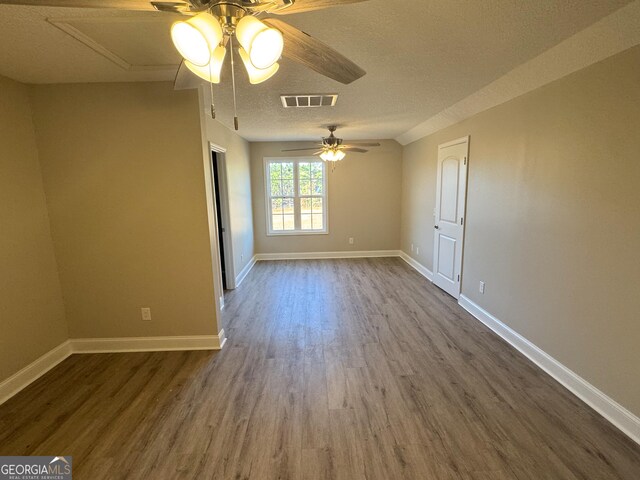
(216, 185)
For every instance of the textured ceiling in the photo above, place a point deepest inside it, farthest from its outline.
(421, 57)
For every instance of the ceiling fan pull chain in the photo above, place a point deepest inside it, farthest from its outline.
(213, 107)
(233, 84)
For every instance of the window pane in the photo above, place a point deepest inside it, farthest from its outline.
(317, 187)
(316, 205)
(275, 171)
(287, 171)
(277, 222)
(305, 205)
(289, 222)
(305, 187)
(287, 205)
(276, 189)
(306, 221)
(316, 170)
(317, 221)
(287, 188)
(276, 206)
(305, 171)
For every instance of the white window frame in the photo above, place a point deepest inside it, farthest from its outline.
(296, 199)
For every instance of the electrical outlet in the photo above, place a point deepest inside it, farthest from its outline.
(351, 242)
(412, 248)
(481, 287)
(417, 250)
(146, 313)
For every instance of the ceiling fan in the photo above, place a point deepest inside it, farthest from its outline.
(210, 27)
(332, 148)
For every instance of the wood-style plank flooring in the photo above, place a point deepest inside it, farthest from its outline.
(334, 369)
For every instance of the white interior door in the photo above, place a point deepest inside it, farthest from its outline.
(449, 215)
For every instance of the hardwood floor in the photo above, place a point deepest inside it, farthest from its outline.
(334, 369)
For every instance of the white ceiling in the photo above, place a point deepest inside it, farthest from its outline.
(421, 57)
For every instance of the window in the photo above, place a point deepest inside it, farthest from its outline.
(296, 196)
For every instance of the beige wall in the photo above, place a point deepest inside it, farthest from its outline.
(364, 202)
(553, 225)
(31, 310)
(237, 159)
(124, 178)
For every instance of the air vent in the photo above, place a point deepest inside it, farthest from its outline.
(309, 101)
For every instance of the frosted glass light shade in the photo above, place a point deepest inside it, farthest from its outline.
(332, 155)
(211, 71)
(266, 48)
(257, 75)
(197, 38)
(190, 43)
(247, 29)
(263, 44)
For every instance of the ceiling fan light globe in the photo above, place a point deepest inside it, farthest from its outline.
(190, 43)
(332, 155)
(266, 48)
(264, 44)
(210, 72)
(257, 75)
(197, 38)
(247, 29)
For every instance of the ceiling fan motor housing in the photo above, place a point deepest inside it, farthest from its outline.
(331, 140)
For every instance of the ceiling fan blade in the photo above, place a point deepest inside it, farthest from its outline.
(115, 4)
(354, 150)
(303, 48)
(185, 80)
(299, 149)
(363, 144)
(308, 5)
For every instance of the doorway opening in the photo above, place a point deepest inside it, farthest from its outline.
(221, 207)
(218, 200)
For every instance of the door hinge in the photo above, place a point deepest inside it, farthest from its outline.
(465, 160)
(461, 220)
(458, 278)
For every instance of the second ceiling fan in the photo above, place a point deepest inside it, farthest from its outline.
(332, 148)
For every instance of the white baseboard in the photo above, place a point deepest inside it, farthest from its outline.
(33, 371)
(245, 271)
(615, 413)
(260, 257)
(421, 269)
(147, 344)
(18, 381)
(222, 339)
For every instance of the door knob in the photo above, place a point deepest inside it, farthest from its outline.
(437, 227)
